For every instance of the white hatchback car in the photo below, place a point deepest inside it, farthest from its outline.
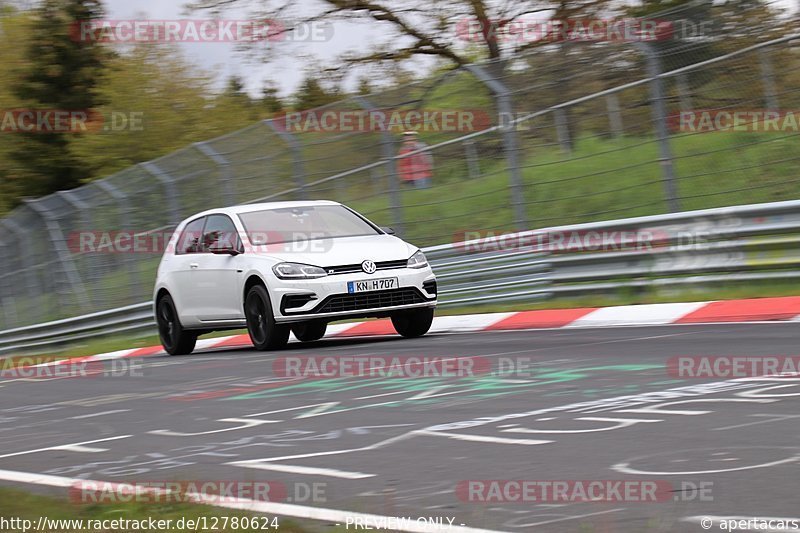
(276, 267)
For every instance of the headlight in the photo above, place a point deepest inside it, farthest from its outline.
(298, 271)
(417, 260)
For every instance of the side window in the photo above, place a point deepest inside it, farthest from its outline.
(220, 231)
(189, 242)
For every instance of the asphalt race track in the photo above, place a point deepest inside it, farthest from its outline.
(401, 447)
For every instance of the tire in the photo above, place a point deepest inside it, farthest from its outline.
(265, 333)
(413, 323)
(174, 339)
(313, 330)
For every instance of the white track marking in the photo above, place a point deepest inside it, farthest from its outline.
(375, 446)
(481, 438)
(244, 504)
(304, 470)
(63, 446)
(625, 468)
(92, 415)
(620, 423)
(769, 417)
(244, 424)
(380, 395)
(80, 449)
(545, 522)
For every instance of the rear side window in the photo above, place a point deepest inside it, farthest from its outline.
(190, 241)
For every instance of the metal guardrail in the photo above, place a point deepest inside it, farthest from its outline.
(740, 243)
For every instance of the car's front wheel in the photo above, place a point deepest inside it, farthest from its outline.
(413, 323)
(265, 333)
(313, 330)
(174, 339)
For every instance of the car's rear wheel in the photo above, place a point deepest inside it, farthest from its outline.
(313, 330)
(414, 322)
(265, 333)
(174, 339)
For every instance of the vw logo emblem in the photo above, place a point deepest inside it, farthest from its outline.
(368, 267)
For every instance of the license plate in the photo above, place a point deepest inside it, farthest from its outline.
(367, 285)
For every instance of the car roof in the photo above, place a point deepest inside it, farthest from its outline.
(249, 208)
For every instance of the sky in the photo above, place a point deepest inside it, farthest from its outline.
(223, 60)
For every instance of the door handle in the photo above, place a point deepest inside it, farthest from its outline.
(194, 265)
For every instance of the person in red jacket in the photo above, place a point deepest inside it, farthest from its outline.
(415, 170)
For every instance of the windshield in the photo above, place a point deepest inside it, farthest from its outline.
(290, 224)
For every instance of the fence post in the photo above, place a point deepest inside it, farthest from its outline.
(768, 80)
(59, 243)
(614, 115)
(23, 241)
(169, 189)
(471, 155)
(224, 167)
(389, 155)
(684, 95)
(125, 222)
(509, 131)
(660, 123)
(8, 301)
(298, 171)
(85, 212)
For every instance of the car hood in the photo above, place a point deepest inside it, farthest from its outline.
(342, 251)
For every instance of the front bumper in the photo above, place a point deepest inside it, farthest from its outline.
(328, 297)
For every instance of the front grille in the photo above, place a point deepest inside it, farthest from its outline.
(381, 265)
(370, 300)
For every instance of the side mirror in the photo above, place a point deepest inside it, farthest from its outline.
(387, 230)
(223, 249)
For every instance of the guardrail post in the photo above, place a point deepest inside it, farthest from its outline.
(298, 171)
(684, 95)
(59, 242)
(388, 154)
(224, 167)
(767, 79)
(471, 155)
(509, 131)
(169, 188)
(125, 222)
(660, 122)
(614, 115)
(562, 130)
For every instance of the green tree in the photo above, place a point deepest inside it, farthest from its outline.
(270, 100)
(312, 94)
(62, 73)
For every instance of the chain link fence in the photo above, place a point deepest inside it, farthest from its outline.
(565, 133)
